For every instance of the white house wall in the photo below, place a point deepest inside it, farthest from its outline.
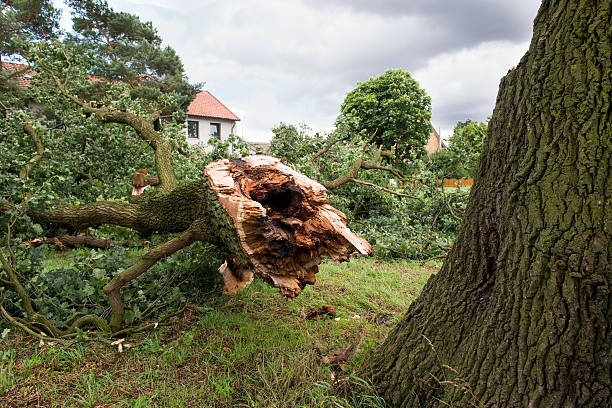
(227, 126)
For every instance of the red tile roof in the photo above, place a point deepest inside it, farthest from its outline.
(208, 106)
(23, 80)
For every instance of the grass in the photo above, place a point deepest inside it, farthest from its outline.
(251, 349)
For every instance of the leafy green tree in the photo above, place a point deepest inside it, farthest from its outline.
(444, 164)
(31, 19)
(460, 158)
(392, 110)
(383, 126)
(36, 19)
(466, 144)
(125, 49)
(293, 143)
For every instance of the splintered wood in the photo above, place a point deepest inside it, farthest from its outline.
(284, 223)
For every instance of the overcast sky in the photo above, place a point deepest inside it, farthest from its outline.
(294, 60)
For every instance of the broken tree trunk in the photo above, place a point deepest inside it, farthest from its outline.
(263, 217)
(283, 221)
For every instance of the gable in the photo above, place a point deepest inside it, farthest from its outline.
(206, 105)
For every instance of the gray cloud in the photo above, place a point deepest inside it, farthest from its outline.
(471, 20)
(294, 60)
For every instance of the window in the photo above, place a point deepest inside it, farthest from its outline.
(215, 130)
(193, 129)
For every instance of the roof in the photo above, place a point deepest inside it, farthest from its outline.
(208, 106)
(23, 80)
(256, 146)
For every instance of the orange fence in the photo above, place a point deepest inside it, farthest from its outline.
(458, 182)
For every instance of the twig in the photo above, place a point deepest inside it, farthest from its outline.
(451, 210)
(22, 326)
(325, 149)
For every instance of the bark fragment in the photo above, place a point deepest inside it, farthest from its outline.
(325, 310)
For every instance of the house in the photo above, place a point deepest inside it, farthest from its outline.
(21, 76)
(22, 80)
(434, 143)
(207, 117)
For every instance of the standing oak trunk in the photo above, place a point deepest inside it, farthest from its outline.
(520, 313)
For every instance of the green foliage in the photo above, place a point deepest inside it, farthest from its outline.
(125, 49)
(415, 229)
(64, 287)
(36, 19)
(7, 354)
(444, 164)
(231, 148)
(460, 158)
(398, 227)
(293, 143)
(393, 109)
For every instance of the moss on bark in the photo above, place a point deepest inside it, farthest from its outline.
(520, 313)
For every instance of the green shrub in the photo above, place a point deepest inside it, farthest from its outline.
(65, 287)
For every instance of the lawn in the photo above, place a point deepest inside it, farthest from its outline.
(251, 349)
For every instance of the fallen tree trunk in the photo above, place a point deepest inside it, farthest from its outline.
(263, 217)
(283, 221)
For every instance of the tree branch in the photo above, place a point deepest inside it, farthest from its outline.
(148, 260)
(143, 127)
(94, 214)
(365, 183)
(352, 171)
(154, 213)
(35, 318)
(325, 149)
(14, 282)
(25, 170)
(183, 152)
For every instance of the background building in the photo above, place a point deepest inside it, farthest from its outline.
(207, 117)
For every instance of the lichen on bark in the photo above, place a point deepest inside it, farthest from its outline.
(520, 313)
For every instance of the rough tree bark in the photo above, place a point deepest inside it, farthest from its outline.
(262, 216)
(520, 313)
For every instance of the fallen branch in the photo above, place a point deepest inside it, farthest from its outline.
(365, 183)
(144, 127)
(27, 168)
(433, 258)
(327, 148)
(450, 208)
